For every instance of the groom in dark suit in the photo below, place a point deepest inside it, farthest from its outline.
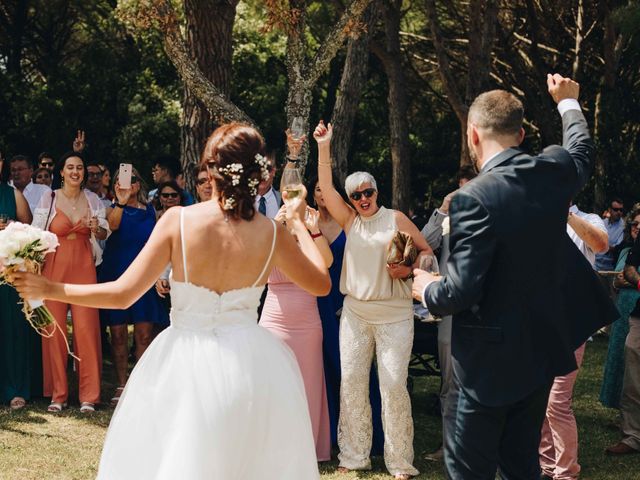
(522, 296)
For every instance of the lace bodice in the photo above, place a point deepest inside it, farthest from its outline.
(197, 308)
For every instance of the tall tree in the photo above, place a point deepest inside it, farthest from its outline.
(481, 16)
(354, 76)
(391, 57)
(303, 67)
(209, 27)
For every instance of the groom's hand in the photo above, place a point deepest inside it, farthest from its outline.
(420, 281)
(561, 88)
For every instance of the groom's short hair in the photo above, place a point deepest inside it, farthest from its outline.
(497, 111)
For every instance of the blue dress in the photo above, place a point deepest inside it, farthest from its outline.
(329, 307)
(611, 389)
(122, 247)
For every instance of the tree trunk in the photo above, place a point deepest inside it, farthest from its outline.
(18, 25)
(606, 107)
(209, 41)
(398, 107)
(303, 73)
(354, 76)
(483, 16)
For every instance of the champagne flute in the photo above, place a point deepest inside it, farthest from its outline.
(291, 183)
(4, 220)
(429, 263)
(296, 127)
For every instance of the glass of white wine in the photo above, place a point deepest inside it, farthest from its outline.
(291, 183)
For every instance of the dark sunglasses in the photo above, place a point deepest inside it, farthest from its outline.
(367, 192)
(634, 224)
(46, 164)
(202, 181)
(168, 195)
(617, 209)
(95, 174)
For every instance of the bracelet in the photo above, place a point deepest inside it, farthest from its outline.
(316, 235)
(325, 164)
(119, 205)
(292, 160)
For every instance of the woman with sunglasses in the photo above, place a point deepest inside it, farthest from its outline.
(77, 216)
(628, 295)
(377, 316)
(330, 307)
(131, 221)
(170, 195)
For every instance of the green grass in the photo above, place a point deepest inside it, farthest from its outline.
(37, 445)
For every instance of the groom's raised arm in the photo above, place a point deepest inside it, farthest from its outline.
(473, 244)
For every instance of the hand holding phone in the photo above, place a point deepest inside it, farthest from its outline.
(124, 176)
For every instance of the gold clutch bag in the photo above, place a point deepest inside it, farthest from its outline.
(401, 249)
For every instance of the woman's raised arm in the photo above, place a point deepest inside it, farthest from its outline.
(338, 208)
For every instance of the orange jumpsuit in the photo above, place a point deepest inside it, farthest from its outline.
(72, 262)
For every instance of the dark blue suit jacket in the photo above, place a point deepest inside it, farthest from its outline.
(523, 297)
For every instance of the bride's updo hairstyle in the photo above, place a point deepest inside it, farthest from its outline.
(235, 156)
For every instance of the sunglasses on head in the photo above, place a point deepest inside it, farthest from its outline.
(167, 195)
(202, 181)
(46, 164)
(367, 192)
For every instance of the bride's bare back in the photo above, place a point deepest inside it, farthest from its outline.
(222, 255)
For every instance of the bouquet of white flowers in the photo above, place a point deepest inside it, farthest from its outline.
(22, 249)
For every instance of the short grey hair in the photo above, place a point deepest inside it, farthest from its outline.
(356, 179)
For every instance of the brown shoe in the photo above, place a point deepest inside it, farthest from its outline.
(620, 448)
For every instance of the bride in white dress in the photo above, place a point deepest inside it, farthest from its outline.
(215, 396)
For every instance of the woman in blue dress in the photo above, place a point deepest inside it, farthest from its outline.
(628, 295)
(131, 222)
(330, 307)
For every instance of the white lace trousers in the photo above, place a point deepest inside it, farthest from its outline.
(392, 345)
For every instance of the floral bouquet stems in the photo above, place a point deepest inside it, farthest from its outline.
(23, 249)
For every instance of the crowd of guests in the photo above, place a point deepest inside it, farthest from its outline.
(353, 346)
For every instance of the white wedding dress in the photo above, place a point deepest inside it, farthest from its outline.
(215, 396)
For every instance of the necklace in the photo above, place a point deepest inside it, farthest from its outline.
(74, 205)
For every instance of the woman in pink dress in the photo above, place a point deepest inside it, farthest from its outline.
(291, 314)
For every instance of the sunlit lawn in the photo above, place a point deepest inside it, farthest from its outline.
(37, 445)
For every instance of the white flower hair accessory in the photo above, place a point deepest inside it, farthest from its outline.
(234, 171)
(229, 203)
(264, 166)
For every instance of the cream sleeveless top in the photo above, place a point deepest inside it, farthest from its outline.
(371, 294)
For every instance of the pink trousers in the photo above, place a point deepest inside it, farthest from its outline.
(559, 442)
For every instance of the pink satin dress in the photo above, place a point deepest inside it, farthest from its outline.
(291, 314)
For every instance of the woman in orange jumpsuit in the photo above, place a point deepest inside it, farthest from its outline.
(77, 217)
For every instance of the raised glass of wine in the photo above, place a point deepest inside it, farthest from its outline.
(291, 183)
